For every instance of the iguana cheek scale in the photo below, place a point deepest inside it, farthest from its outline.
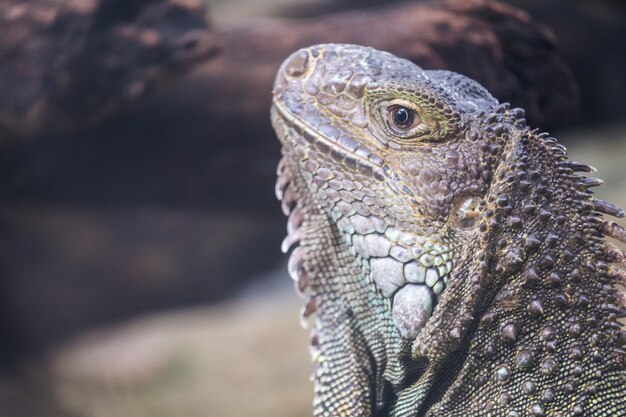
(453, 256)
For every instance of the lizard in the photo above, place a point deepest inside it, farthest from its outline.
(453, 260)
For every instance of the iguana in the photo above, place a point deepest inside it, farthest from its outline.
(455, 260)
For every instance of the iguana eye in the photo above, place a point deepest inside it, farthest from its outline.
(400, 121)
(402, 118)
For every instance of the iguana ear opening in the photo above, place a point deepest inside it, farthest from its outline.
(465, 211)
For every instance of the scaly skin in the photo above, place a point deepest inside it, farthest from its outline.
(455, 260)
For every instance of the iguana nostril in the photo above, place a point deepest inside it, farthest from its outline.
(297, 64)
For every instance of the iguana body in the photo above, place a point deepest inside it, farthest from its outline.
(455, 260)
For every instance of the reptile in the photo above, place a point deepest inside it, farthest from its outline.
(453, 260)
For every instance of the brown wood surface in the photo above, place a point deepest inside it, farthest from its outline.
(71, 64)
(498, 45)
(66, 64)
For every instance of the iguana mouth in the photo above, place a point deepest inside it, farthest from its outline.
(340, 148)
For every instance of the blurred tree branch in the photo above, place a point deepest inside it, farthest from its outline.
(70, 64)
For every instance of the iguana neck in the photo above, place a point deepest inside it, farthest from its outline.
(545, 335)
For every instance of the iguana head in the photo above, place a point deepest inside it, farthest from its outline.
(389, 153)
(420, 212)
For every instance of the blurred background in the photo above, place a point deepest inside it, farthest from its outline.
(140, 271)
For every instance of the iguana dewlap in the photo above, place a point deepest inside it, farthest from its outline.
(456, 262)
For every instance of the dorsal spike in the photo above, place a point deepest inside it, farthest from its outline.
(614, 253)
(580, 167)
(591, 182)
(607, 208)
(619, 273)
(614, 230)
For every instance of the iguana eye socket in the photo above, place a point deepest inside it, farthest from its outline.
(402, 119)
(399, 121)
